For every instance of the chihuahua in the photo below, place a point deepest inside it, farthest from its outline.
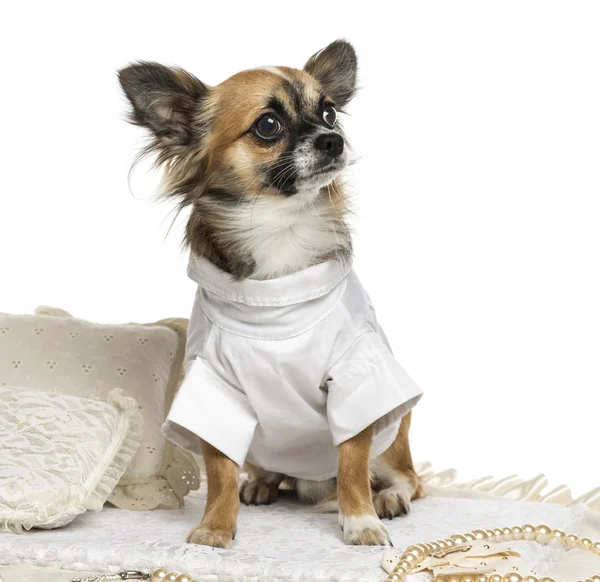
(289, 373)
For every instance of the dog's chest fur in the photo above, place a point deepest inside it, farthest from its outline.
(285, 236)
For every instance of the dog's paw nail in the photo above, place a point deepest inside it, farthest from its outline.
(390, 515)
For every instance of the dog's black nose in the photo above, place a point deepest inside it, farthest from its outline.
(331, 143)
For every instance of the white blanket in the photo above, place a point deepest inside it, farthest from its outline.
(284, 541)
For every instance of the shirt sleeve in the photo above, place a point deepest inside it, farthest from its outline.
(207, 407)
(367, 385)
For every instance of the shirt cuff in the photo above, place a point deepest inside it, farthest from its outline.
(379, 391)
(208, 408)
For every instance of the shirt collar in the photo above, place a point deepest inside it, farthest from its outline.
(298, 287)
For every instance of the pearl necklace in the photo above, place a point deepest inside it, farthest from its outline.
(412, 558)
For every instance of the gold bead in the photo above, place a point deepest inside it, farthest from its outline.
(170, 577)
(453, 579)
(559, 535)
(517, 533)
(402, 572)
(450, 542)
(530, 579)
(528, 532)
(499, 533)
(572, 540)
(183, 578)
(439, 579)
(470, 537)
(585, 544)
(424, 548)
(435, 547)
(443, 545)
(158, 575)
(596, 578)
(410, 558)
(546, 579)
(491, 535)
(507, 534)
(467, 578)
(495, 578)
(405, 564)
(596, 550)
(480, 535)
(395, 578)
(513, 577)
(481, 578)
(415, 551)
(543, 534)
(459, 539)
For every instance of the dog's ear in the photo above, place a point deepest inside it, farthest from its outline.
(335, 67)
(165, 100)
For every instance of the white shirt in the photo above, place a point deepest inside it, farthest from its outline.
(280, 372)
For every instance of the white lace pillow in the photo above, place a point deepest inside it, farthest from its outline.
(61, 455)
(56, 353)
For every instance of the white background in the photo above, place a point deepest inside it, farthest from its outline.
(477, 195)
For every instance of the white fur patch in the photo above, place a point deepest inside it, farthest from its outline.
(285, 235)
(272, 69)
(357, 530)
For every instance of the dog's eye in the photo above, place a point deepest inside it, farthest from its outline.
(267, 127)
(330, 115)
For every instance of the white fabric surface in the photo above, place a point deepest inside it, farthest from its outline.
(56, 353)
(281, 371)
(284, 541)
(61, 455)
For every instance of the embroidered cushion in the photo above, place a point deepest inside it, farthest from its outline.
(56, 353)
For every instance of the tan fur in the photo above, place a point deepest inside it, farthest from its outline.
(354, 489)
(358, 518)
(218, 526)
(399, 458)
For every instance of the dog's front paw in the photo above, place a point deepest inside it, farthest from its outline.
(206, 537)
(258, 492)
(364, 530)
(392, 502)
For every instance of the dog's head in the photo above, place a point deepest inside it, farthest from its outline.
(273, 129)
(271, 132)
